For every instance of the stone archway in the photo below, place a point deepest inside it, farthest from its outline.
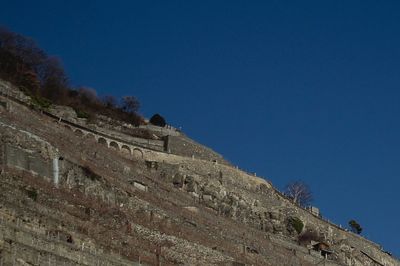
(114, 145)
(102, 141)
(78, 132)
(68, 127)
(137, 153)
(126, 149)
(90, 136)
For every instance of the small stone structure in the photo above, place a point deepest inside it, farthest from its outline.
(314, 210)
(140, 186)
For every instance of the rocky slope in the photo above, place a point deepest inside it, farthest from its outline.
(74, 193)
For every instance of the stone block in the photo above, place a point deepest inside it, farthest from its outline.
(274, 215)
(207, 197)
(140, 186)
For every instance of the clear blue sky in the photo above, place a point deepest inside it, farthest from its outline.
(288, 89)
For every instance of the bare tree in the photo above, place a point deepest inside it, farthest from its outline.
(88, 95)
(109, 101)
(130, 104)
(54, 80)
(299, 192)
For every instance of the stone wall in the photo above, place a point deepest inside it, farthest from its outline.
(172, 141)
(8, 90)
(25, 151)
(183, 146)
(22, 245)
(232, 194)
(27, 160)
(161, 187)
(157, 145)
(163, 131)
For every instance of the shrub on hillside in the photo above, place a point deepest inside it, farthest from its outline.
(81, 114)
(43, 78)
(40, 102)
(310, 235)
(297, 224)
(355, 227)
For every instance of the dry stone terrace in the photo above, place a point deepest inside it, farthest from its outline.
(171, 142)
(104, 140)
(199, 212)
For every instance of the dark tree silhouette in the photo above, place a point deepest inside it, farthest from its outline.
(158, 120)
(19, 60)
(355, 227)
(22, 62)
(88, 96)
(109, 101)
(43, 78)
(54, 81)
(130, 104)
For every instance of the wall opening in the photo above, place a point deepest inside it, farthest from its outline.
(126, 149)
(67, 127)
(114, 145)
(102, 141)
(90, 136)
(137, 153)
(78, 132)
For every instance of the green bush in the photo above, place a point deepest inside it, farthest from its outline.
(297, 224)
(355, 227)
(82, 114)
(41, 102)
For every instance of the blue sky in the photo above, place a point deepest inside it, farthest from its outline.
(287, 89)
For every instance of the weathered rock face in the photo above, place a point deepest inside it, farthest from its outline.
(184, 146)
(65, 112)
(114, 208)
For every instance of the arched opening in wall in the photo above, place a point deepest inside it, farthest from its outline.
(137, 153)
(3, 106)
(114, 145)
(126, 149)
(102, 141)
(90, 137)
(78, 132)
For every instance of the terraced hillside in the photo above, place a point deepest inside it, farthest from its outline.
(70, 196)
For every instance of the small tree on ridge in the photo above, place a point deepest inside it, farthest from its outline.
(158, 120)
(355, 227)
